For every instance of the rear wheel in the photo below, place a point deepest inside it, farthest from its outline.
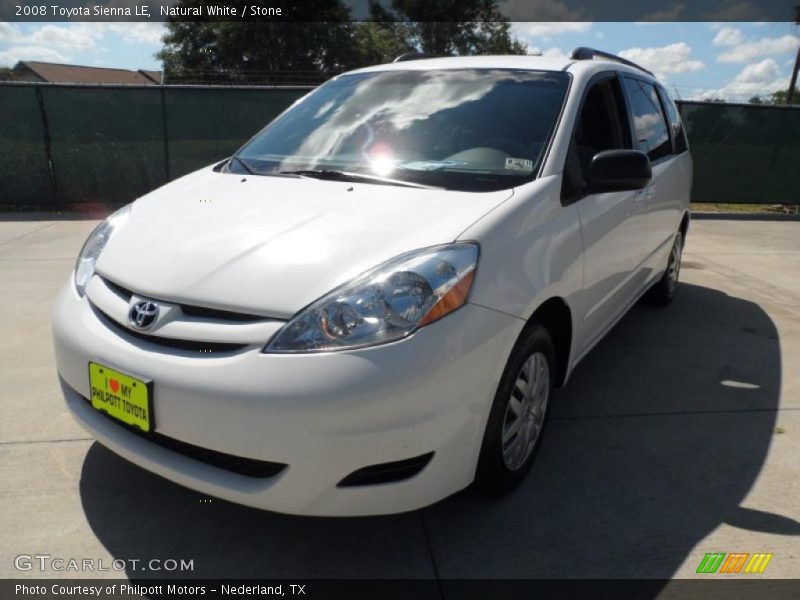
(519, 414)
(663, 292)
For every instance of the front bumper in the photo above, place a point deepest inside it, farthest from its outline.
(324, 415)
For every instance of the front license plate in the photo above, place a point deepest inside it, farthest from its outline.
(123, 397)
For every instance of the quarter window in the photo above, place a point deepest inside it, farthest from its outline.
(675, 123)
(650, 125)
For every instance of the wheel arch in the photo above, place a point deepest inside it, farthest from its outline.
(684, 227)
(555, 315)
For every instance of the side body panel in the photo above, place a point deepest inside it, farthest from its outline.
(614, 230)
(531, 251)
(599, 254)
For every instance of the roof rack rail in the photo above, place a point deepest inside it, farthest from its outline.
(584, 53)
(414, 55)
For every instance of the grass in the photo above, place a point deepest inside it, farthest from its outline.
(744, 208)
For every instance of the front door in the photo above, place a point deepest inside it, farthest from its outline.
(613, 224)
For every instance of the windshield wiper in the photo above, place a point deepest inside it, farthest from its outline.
(243, 164)
(333, 175)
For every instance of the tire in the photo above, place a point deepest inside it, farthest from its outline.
(663, 291)
(532, 363)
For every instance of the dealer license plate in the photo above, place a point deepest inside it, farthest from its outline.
(121, 396)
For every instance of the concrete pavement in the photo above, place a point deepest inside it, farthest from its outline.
(678, 435)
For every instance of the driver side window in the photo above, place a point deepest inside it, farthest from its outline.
(602, 125)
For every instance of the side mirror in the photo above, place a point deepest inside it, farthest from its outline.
(618, 171)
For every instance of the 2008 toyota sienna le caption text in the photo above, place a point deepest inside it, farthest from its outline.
(369, 306)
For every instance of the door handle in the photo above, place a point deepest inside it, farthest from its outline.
(646, 192)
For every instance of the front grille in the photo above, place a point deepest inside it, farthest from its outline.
(165, 342)
(248, 467)
(219, 315)
(191, 310)
(387, 472)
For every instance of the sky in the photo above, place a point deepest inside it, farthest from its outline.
(732, 61)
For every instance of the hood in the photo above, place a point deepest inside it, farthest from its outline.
(272, 245)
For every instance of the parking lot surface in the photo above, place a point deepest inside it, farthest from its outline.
(677, 436)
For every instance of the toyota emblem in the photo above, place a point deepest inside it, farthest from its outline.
(143, 314)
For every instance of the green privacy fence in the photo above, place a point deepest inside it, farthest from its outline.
(744, 153)
(63, 146)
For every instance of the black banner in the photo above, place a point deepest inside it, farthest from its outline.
(358, 10)
(715, 586)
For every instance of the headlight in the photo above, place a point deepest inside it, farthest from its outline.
(384, 304)
(93, 246)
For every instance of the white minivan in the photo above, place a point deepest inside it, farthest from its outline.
(367, 308)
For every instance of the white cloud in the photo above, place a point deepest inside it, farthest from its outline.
(71, 38)
(554, 53)
(145, 33)
(6, 31)
(549, 30)
(10, 56)
(749, 51)
(756, 79)
(728, 36)
(79, 37)
(761, 72)
(663, 60)
(57, 43)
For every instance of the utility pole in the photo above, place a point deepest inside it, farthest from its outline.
(793, 82)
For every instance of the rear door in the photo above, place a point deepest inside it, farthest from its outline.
(613, 224)
(677, 184)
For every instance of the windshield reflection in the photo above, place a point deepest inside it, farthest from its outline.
(460, 129)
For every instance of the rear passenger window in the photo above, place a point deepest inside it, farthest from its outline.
(650, 126)
(675, 123)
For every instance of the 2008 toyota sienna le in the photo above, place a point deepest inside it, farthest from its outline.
(367, 308)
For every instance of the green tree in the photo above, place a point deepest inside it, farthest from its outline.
(313, 39)
(381, 42)
(450, 27)
(756, 100)
(781, 97)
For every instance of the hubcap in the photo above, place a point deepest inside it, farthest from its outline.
(525, 411)
(674, 267)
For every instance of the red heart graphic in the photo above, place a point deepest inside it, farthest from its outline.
(114, 385)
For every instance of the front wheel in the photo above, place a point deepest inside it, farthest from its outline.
(518, 415)
(663, 292)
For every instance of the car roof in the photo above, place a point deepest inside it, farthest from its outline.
(581, 68)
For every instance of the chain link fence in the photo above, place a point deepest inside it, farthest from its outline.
(64, 146)
(744, 153)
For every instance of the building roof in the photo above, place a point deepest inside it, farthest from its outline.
(58, 73)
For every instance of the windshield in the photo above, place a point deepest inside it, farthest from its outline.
(476, 129)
